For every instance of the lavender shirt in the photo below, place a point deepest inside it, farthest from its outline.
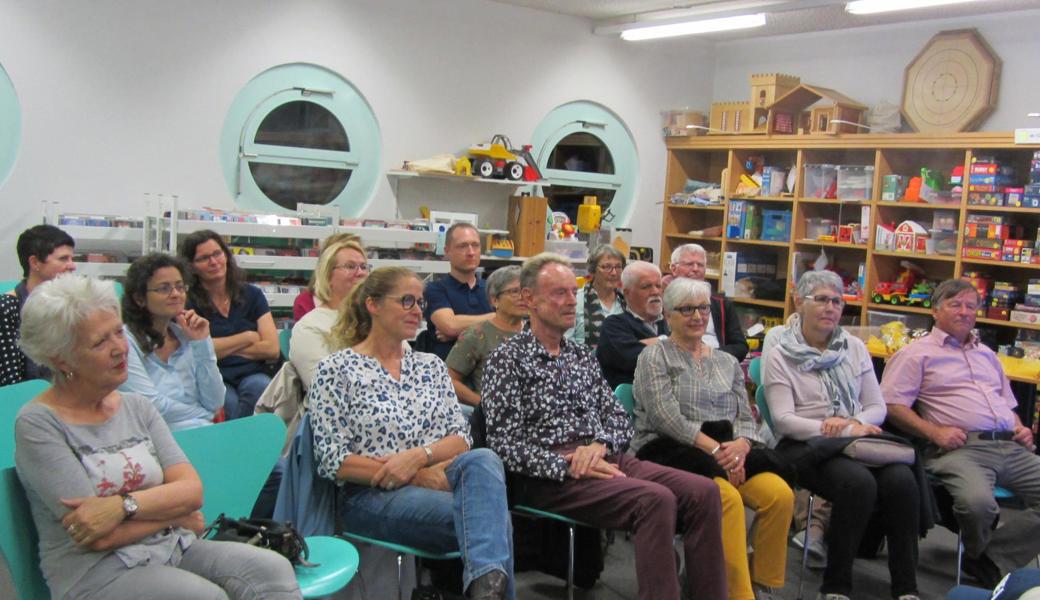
(952, 385)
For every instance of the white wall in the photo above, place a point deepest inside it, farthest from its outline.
(125, 97)
(867, 64)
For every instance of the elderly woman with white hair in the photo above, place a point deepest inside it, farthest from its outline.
(600, 297)
(820, 383)
(114, 500)
(692, 413)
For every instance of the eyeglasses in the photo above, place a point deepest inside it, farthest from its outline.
(354, 267)
(408, 301)
(690, 265)
(610, 268)
(513, 292)
(167, 289)
(836, 301)
(688, 309)
(215, 255)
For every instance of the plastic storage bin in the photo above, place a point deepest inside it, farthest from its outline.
(815, 227)
(820, 181)
(776, 225)
(573, 249)
(877, 318)
(942, 242)
(855, 182)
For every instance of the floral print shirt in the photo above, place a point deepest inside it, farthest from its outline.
(357, 407)
(536, 404)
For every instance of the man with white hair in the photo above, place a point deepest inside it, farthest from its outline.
(624, 335)
(724, 331)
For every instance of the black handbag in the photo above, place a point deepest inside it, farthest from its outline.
(263, 533)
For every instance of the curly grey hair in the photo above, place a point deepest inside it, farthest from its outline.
(810, 281)
(683, 289)
(55, 309)
(496, 282)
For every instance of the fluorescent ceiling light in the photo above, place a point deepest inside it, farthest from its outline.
(869, 7)
(692, 27)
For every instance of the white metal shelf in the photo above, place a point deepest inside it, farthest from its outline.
(92, 238)
(315, 232)
(377, 236)
(280, 300)
(396, 176)
(94, 269)
(282, 263)
(419, 266)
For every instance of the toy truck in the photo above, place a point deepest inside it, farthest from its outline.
(499, 160)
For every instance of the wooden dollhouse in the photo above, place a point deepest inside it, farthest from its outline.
(751, 117)
(787, 114)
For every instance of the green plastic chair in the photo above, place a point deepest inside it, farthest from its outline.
(234, 459)
(623, 393)
(401, 551)
(18, 539)
(755, 373)
(284, 337)
(571, 524)
(12, 399)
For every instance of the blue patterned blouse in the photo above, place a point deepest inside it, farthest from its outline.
(358, 408)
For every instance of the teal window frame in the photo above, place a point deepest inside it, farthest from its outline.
(584, 116)
(312, 83)
(10, 125)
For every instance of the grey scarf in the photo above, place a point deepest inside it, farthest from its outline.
(839, 375)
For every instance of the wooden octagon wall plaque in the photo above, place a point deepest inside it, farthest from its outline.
(952, 84)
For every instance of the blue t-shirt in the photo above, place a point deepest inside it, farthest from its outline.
(243, 316)
(448, 292)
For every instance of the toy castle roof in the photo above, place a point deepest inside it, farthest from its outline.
(806, 95)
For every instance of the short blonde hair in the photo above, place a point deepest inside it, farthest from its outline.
(55, 309)
(327, 264)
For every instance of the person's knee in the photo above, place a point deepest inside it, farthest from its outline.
(729, 496)
(979, 503)
(481, 459)
(855, 486)
(775, 491)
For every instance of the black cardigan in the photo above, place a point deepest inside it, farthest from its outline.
(620, 345)
(727, 327)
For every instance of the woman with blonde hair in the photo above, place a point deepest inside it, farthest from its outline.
(341, 266)
(387, 426)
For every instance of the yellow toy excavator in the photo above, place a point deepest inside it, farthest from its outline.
(499, 161)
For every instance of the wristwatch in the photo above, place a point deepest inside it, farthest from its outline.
(129, 505)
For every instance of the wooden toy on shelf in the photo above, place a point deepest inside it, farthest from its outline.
(785, 115)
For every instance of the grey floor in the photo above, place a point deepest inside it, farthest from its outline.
(935, 575)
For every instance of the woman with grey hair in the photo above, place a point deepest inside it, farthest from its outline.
(466, 359)
(601, 296)
(820, 384)
(692, 413)
(114, 500)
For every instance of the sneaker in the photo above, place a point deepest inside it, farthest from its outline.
(765, 593)
(817, 549)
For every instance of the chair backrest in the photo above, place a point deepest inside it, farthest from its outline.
(8, 284)
(623, 392)
(284, 337)
(755, 373)
(233, 459)
(18, 539)
(12, 399)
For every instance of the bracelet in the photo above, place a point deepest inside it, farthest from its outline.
(716, 450)
(429, 454)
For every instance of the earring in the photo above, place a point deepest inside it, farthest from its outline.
(68, 375)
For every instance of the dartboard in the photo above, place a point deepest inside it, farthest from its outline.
(952, 84)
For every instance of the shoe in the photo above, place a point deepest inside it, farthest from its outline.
(909, 597)
(817, 550)
(489, 586)
(822, 596)
(982, 570)
(765, 593)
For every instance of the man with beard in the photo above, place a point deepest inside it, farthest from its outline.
(624, 335)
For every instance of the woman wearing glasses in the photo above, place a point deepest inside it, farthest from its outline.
(171, 360)
(466, 359)
(820, 382)
(243, 330)
(387, 426)
(341, 266)
(692, 413)
(601, 296)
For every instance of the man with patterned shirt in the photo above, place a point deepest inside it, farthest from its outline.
(950, 390)
(561, 434)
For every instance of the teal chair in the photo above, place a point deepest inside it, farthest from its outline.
(234, 459)
(401, 551)
(284, 337)
(12, 399)
(8, 285)
(623, 393)
(18, 539)
(571, 524)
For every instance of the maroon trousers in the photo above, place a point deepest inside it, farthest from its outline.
(654, 503)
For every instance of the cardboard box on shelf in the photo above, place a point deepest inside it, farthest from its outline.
(527, 224)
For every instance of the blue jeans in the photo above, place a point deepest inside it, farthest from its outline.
(473, 517)
(240, 400)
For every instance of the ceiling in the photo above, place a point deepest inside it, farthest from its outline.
(783, 17)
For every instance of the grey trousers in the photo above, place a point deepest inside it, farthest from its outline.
(207, 570)
(969, 474)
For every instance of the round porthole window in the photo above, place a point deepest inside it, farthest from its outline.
(300, 133)
(10, 125)
(584, 149)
